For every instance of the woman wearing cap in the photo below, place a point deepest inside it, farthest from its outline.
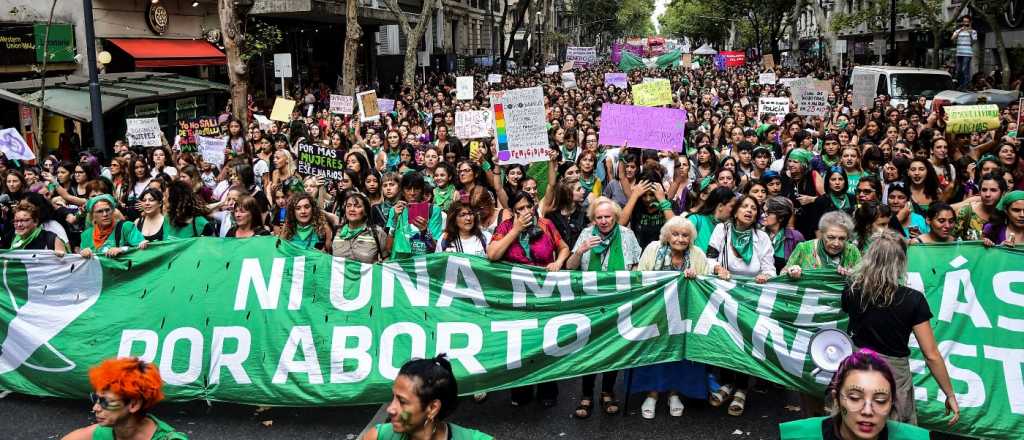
(104, 234)
(1007, 225)
(424, 394)
(884, 312)
(904, 218)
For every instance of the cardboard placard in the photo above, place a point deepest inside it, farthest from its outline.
(961, 119)
(581, 56)
(569, 80)
(473, 124)
(282, 110)
(776, 107)
(318, 160)
(212, 149)
(619, 80)
(493, 78)
(520, 125)
(811, 96)
(143, 131)
(342, 104)
(767, 78)
(768, 61)
(662, 128)
(550, 68)
(652, 93)
(369, 109)
(386, 105)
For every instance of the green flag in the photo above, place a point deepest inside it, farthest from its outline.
(258, 321)
(670, 59)
(630, 62)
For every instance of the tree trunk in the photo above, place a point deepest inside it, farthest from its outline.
(352, 34)
(413, 36)
(231, 19)
(997, 29)
(517, 24)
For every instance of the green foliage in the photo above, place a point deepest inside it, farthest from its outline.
(634, 16)
(594, 18)
(260, 38)
(693, 19)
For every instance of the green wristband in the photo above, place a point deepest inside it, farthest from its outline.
(665, 205)
(486, 166)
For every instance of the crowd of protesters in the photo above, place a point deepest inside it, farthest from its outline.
(745, 196)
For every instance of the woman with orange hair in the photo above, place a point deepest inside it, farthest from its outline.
(125, 390)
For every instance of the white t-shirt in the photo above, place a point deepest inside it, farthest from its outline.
(471, 246)
(168, 170)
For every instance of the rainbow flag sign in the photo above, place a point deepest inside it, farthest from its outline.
(520, 125)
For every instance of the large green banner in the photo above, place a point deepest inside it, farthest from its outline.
(262, 322)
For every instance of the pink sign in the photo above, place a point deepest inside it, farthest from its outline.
(734, 59)
(642, 127)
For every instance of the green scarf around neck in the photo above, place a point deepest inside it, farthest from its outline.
(304, 234)
(840, 201)
(20, 242)
(610, 244)
(348, 233)
(779, 243)
(826, 259)
(742, 242)
(443, 197)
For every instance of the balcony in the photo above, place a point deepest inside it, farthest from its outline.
(371, 12)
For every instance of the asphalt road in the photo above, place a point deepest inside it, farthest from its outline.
(25, 417)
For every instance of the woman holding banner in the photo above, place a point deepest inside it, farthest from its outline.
(29, 233)
(104, 234)
(306, 225)
(605, 247)
(831, 250)
(883, 313)
(739, 247)
(358, 239)
(674, 251)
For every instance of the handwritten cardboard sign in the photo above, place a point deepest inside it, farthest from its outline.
(473, 124)
(642, 127)
(189, 129)
(342, 104)
(143, 131)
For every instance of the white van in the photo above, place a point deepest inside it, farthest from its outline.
(900, 83)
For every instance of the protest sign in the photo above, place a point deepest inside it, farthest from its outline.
(13, 146)
(386, 105)
(263, 121)
(766, 78)
(733, 58)
(776, 107)
(520, 125)
(581, 56)
(568, 65)
(686, 60)
(550, 69)
(768, 61)
(787, 82)
(189, 129)
(318, 160)
(962, 119)
(212, 149)
(811, 96)
(619, 80)
(863, 91)
(259, 322)
(369, 107)
(342, 104)
(642, 127)
(282, 110)
(569, 80)
(464, 88)
(493, 78)
(652, 93)
(473, 124)
(143, 131)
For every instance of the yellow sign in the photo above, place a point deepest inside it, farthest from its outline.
(653, 93)
(962, 119)
(282, 110)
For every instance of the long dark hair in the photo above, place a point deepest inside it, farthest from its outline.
(931, 179)
(183, 204)
(717, 197)
(451, 227)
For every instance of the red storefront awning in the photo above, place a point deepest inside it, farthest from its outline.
(157, 52)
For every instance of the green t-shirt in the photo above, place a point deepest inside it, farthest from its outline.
(386, 432)
(193, 229)
(163, 431)
(811, 429)
(128, 235)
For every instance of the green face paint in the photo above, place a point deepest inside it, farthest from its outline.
(405, 417)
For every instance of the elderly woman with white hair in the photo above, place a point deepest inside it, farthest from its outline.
(832, 249)
(674, 251)
(605, 247)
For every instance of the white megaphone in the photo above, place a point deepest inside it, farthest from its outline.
(828, 348)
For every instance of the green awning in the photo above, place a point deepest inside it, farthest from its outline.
(69, 96)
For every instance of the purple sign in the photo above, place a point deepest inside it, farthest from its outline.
(616, 79)
(642, 127)
(617, 49)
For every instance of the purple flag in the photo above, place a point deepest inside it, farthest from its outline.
(643, 127)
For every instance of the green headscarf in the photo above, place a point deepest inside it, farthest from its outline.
(742, 242)
(801, 155)
(100, 198)
(705, 182)
(986, 158)
(763, 128)
(1009, 198)
(826, 259)
(610, 244)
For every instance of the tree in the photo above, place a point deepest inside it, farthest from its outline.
(352, 34)
(232, 16)
(932, 15)
(413, 36)
(634, 16)
(518, 20)
(702, 21)
(992, 12)
(596, 17)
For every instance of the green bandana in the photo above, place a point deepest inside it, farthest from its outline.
(1008, 199)
(610, 244)
(347, 233)
(801, 155)
(524, 242)
(565, 154)
(840, 201)
(742, 242)
(826, 259)
(829, 162)
(779, 243)
(588, 184)
(443, 196)
(20, 242)
(304, 235)
(705, 182)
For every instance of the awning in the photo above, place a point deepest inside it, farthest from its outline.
(158, 52)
